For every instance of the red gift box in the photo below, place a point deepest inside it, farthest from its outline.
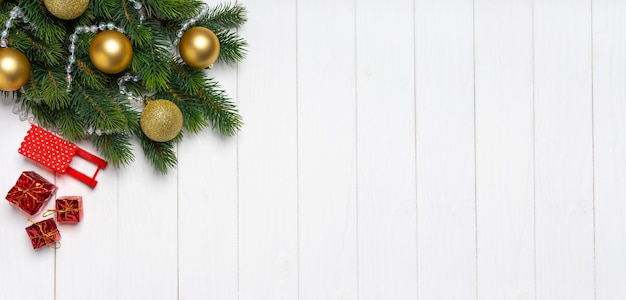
(31, 192)
(43, 233)
(69, 209)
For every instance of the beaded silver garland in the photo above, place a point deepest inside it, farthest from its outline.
(204, 9)
(121, 83)
(72, 47)
(140, 10)
(15, 14)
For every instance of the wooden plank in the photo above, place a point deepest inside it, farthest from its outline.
(563, 150)
(609, 75)
(387, 257)
(147, 235)
(504, 149)
(207, 218)
(445, 149)
(21, 266)
(91, 244)
(327, 150)
(208, 258)
(268, 198)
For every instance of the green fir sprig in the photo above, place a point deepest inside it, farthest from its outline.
(94, 104)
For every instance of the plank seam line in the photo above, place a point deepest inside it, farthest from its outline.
(593, 153)
(415, 153)
(237, 187)
(475, 155)
(534, 166)
(356, 148)
(297, 156)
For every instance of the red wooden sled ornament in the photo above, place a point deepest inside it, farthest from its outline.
(56, 153)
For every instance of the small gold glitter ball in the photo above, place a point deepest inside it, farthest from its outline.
(66, 9)
(199, 47)
(161, 120)
(110, 51)
(14, 69)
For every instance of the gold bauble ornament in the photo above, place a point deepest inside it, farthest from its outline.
(66, 9)
(14, 69)
(110, 51)
(161, 120)
(199, 47)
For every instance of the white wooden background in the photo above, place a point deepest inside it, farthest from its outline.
(402, 149)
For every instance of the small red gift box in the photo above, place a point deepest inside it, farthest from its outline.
(31, 192)
(69, 209)
(43, 233)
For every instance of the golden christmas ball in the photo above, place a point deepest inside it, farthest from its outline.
(110, 51)
(14, 69)
(161, 120)
(66, 9)
(199, 47)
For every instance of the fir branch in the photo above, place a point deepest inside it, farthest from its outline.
(194, 120)
(48, 85)
(193, 111)
(172, 9)
(95, 101)
(219, 109)
(115, 147)
(36, 49)
(99, 109)
(71, 127)
(224, 17)
(185, 78)
(85, 73)
(161, 155)
(152, 62)
(232, 47)
(103, 11)
(48, 28)
(44, 116)
(128, 18)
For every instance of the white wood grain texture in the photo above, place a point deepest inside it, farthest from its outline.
(445, 149)
(387, 257)
(146, 230)
(563, 150)
(609, 75)
(207, 218)
(20, 265)
(86, 264)
(504, 149)
(327, 150)
(268, 219)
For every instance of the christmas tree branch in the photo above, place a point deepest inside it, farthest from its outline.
(114, 147)
(173, 9)
(217, 108)
(224, 17)
(232, 47)
(97, 107)
(161, 155)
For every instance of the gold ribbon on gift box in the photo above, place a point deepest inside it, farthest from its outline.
(49, 212)
(48, 236)
(35, 188)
